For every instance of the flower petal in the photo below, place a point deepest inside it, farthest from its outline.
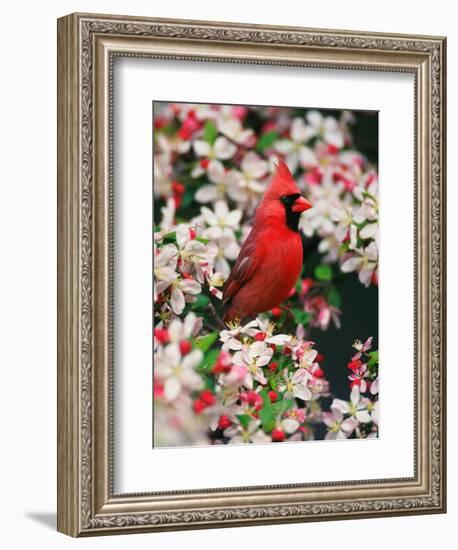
(172, 388)
(182, 235)
(283, 146)
(351, 264)
(254, 165)
(206, 193)
(224, 149)
(233, 218)
(209, 215)
(290, 425)
(279, 339)
(349, 424)
(201, 148)
(192, 359)
(340, 405)
(334, 137)
(374, 387)
(190, 286)
(369, 231)
(307, 157)
(177, 300)
(314, 118)
(302, 392)
(363, 416)
(355, 395)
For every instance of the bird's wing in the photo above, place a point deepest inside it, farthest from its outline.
(243, 270)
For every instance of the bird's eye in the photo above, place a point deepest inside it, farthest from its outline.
(288, 200)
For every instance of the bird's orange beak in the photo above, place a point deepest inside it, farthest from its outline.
(301, 204)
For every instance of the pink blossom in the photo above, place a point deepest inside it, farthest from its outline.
(338, 426)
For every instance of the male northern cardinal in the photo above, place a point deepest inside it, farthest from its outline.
(270, 260)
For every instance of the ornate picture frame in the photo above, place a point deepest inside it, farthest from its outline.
(87, 46)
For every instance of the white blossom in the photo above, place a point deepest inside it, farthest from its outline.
(222, 149)
(295, 385)
(326, 127)
(294, 149)
(177, 372)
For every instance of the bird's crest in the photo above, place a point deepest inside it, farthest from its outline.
(282, 182)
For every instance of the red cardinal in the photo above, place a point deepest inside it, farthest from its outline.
(270, 260)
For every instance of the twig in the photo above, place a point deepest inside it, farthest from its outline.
(210, 309)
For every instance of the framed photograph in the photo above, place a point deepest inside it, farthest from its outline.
(251, 291)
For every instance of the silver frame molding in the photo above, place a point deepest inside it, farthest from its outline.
(87, 45)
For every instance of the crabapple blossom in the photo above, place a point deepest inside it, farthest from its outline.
(294, 418)
(356, 408)
(179, 330)
(250, 434)
(254, 357)
(361, 347)
(374, 387)
(196, 257)
(363, 260)
(222, 149)
(228, 249)
(326, 127)
(294, 149)
(221, 224)
(221, 180)
(176, 372)
(220, 219)
(229, 124)
(322, 312)
(182, 290)
(249, 184)
(338, 426)
(295, 384)
(304, 353)
(168, 217)
(164, 267)
(230, 337)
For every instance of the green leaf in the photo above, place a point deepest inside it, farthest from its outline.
(373, 358)
(210, 132)
(269, 425)
(266, 414)
(283, 362)
(323, 272)
(170, 129)
(268, 421)
(273, 383)
(205, 342)
(266, 141)
(201, 302)
(244, 419)
(187, 199)
(372, 364)
(210, 382)
(170, 236)
(301, 317)
(282, 406)
(208, 361)
(334, 298)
